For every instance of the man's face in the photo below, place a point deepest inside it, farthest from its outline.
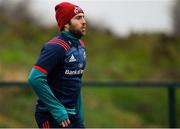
(77, 25)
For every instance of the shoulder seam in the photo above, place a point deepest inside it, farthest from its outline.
(40, 69)
(60, 42)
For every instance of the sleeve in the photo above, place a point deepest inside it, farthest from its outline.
(38, 82)
(51, 55)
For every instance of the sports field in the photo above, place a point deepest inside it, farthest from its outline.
(104, 107)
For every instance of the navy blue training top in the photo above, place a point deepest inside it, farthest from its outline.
(63, 60)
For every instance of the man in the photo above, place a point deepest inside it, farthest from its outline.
(56, 76)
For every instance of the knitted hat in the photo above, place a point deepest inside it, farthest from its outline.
(65, 11)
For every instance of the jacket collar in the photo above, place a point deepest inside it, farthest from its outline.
(70, 36)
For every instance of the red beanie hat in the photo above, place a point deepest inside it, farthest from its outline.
(65, 11)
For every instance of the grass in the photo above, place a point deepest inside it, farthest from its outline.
(17, 107)
(138, 56)
(103, 107)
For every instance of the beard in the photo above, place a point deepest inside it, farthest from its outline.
(77, 33)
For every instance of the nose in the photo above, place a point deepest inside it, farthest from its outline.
(83, 20)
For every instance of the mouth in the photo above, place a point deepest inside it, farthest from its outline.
(83, 28)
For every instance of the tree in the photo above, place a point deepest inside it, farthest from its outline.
(14, 10)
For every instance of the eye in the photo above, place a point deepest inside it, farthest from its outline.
(78, 17)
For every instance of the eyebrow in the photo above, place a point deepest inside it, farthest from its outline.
(79, 16)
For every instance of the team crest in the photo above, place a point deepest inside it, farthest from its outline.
(80, 65)
(84, 55)
(77, 10)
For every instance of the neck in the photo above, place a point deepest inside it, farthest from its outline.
(71, 35)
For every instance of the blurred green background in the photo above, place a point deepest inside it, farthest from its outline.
(138, 56)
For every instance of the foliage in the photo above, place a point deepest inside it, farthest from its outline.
(150, 56)
(138, 56)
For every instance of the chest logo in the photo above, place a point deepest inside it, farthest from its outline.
(84, 55)
(80, 65)
(72, 59)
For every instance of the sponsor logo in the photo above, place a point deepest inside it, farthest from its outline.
(72, 59)
(74, 72)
